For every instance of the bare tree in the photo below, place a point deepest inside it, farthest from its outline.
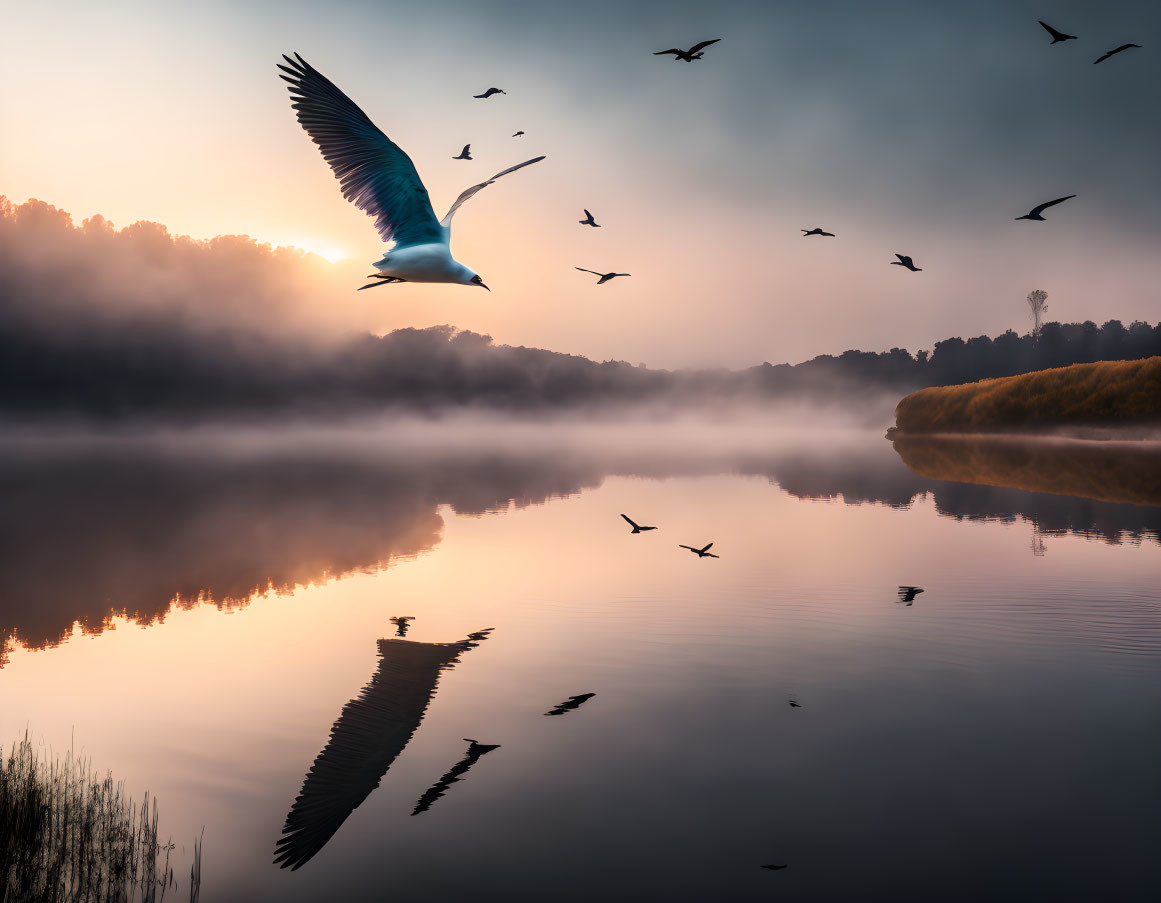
(1038, 301)
(1038, 547)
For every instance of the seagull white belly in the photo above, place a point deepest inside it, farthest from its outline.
(421, 263)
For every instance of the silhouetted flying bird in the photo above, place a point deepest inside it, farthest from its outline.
(589, 221)
(774, 868)
(1035, 212)
(518, 134)
(905, 261)
(806, 232)
(573, 702)
(465, 154)
(1057, 36)
(605, 277)
(688, 56)
(636, 528)
(703, 552)
(488, 93)
(1111, 52)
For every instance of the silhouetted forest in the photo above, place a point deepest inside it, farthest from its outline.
(120, 369)
(157, 368)
(136, 323)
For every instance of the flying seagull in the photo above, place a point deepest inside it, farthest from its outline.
(688, 56)
(703, 552)
(806, 232)
(636, 527)
(905, 261)
(1035, 212)
(795, 704)
(380, 179)
(488, 93)
(465, 154)
(605, 277)
(774, 868)
(1057, 36)
(1117, 50)
(908, 593)
(518, 134)
(589, 221)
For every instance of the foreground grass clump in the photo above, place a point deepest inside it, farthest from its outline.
(68, 835)
(1109, 393)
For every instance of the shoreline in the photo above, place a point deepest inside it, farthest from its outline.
(1105, 435)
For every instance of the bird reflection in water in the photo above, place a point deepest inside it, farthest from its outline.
(401, 625)
(907, 594)
(440, 787)
(573, 702)
(371, 732)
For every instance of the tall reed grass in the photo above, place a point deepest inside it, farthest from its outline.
(68, 835)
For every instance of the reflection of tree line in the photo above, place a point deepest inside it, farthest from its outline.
(1111, 472)
(1100, 490)
(84, 537)
(88, 535)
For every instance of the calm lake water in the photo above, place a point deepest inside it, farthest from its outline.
(196, 612)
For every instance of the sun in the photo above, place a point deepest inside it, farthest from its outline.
(329, 253)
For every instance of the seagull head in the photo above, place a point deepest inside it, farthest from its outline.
(466, 276)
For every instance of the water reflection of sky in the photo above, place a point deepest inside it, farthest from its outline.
(1000, 730)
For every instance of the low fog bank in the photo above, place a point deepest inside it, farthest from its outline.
(104, 324)
(62, 280)
(101, 325)
(681, 444)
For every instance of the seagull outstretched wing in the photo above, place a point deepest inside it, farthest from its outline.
(1037, 210)
(673, 50)
(704, 44)
(1056, 35)
(445, 223)
(375, 174)
(583, 270)
(1112, 52)
(630, 522)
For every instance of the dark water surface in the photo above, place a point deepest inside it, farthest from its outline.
(211, 620)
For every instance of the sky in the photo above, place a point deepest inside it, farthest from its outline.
(907, 127)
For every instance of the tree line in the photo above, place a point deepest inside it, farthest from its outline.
(159, 367)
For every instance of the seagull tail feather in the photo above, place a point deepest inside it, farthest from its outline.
(383, 280)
